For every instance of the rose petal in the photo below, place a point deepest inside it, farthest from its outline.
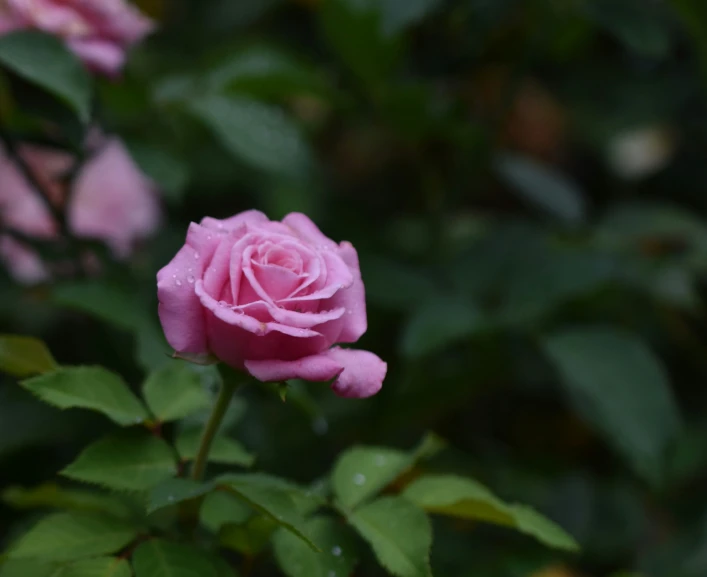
(358, 374)
(353, 299)
(180, 309)
(228, 224)
(307, 230)
(363, 373)
(313, 368)
(239, 319)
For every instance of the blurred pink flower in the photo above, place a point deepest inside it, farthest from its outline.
(97, 31)
(112, 201)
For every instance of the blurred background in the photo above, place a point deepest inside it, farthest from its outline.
(526, 184)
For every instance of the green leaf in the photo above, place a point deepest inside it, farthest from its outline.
(24, 356)
(621, 387)
(127, 462)
(159, 558)
(99, 567)
(394, 285)
(173, 491)
(265, 72)
(70, 536)
(26, 568)
(438, 323)
(269, 496)
(250, 538)
(543, 187)
(174, 392)
(354, 29)
(51, 495)
(399, 533)
(93, 388)
(45, 61)
(361, 472)
(338, 556)
(220, 508)
(642, 27)
(106, 302)
(168, 172)
(223, 449)
(260, 135)
(399, 14)
(468, 499)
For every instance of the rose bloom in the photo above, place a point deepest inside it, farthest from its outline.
(270, 298)
(97, 31)
(112, 201)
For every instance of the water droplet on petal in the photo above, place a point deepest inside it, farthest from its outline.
(190, 269)
(222, 303)
(178, 282)
(196, 256)
(190, 279)
(336, 551)
(359, 479)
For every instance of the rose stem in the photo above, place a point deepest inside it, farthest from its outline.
(228, 387)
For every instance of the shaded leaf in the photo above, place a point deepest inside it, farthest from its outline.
(45, 61)
(399, 533)
(93, 388)
(173, 491)
(160, 558)
(361, 472)
(621, 387)
(24, 356)
(220, 508)
(543, 187)
(167, 171)
(466, 498)
(99, 567)
(174, 392)
(338, 556)
(260, 135)
(126, 462)
(251, 537)
(52, 496)
(70, 536)
(440, 322)
(354, 29)
(269, 496)
(223, 449)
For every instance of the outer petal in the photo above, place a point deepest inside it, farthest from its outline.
(307, 230)
(228, 224)
(353, 299)
(363, 373)
(180, 310)
(102, 56)
(312, 368)
(358, 374)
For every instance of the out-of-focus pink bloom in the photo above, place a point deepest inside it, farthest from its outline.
(98, 31)
(111, 201)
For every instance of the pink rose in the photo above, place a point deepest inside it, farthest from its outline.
(112, 201)
(97, 31)
(270, 298)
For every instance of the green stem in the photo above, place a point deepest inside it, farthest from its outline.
(212, 426)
